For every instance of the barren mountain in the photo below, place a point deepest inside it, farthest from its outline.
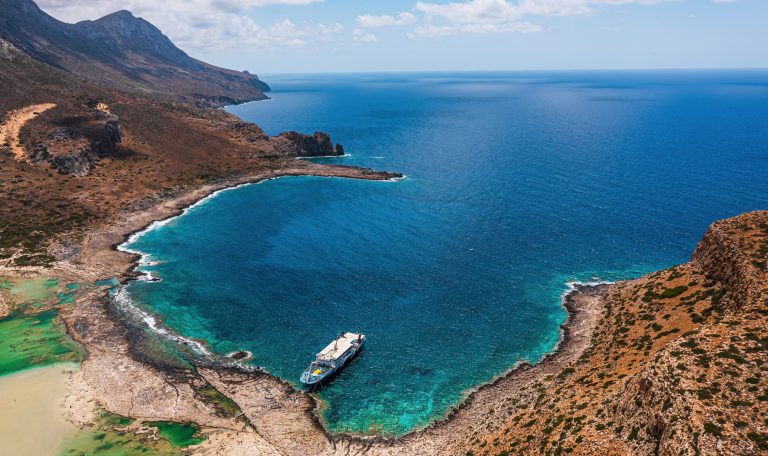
(123, 52)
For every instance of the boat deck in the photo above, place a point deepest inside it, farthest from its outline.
(338, 347)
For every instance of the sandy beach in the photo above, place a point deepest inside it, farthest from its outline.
(32, 411)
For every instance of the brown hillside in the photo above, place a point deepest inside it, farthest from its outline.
(99, 152)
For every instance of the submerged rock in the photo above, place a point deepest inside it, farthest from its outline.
(240, 355)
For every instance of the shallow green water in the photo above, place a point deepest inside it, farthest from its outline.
(32, 289)
(34, 340)
(178, 434)
(113, 282)
(107, 437)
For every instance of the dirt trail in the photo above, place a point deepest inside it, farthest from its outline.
(15, 120)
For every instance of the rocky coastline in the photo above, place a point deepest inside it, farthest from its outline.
(297, 413)
(274, 418)
(110, 341)
(288, 421)
(672, 363)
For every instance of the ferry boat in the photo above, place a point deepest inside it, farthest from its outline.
(332, 358)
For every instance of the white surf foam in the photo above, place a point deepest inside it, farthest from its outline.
(325, 156)
(123, 299)
(571, 285)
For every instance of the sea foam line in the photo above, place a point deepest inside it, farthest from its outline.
(570, 287)
(159, 223)
(123, 299)
(325, 156)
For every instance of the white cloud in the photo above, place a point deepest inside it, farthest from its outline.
(203, 24)
(499, 16)
(370, 21)
(220, 24)
(436, 31)
(361, 36)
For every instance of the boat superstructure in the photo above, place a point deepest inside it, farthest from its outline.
(332, 358)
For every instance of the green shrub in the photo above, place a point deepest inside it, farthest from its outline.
(704, 394)
(674, 292)
(712, 428)
(761, 439)
(566, 372)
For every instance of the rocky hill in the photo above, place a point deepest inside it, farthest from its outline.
(123, 52)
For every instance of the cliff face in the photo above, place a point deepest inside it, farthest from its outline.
(122, 34)
(678, 364)
(735, 252)
(124, 52)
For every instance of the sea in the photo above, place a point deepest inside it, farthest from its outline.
(518, 184)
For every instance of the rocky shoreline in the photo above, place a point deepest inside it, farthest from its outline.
(247, 411)
(121, 380)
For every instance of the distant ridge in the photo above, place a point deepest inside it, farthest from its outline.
(124, 52)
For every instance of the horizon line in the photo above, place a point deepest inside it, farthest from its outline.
(556, 70)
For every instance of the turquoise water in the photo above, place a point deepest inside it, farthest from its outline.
(517, 183)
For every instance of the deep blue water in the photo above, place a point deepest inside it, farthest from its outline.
(517, 183)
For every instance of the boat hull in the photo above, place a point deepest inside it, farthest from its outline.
(316, 380)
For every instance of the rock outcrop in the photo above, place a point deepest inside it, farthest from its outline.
(293, 143)
(75, 148)
(729, 254)
(10, 52)
(701, 392)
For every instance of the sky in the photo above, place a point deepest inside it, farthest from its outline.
(315, 36)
